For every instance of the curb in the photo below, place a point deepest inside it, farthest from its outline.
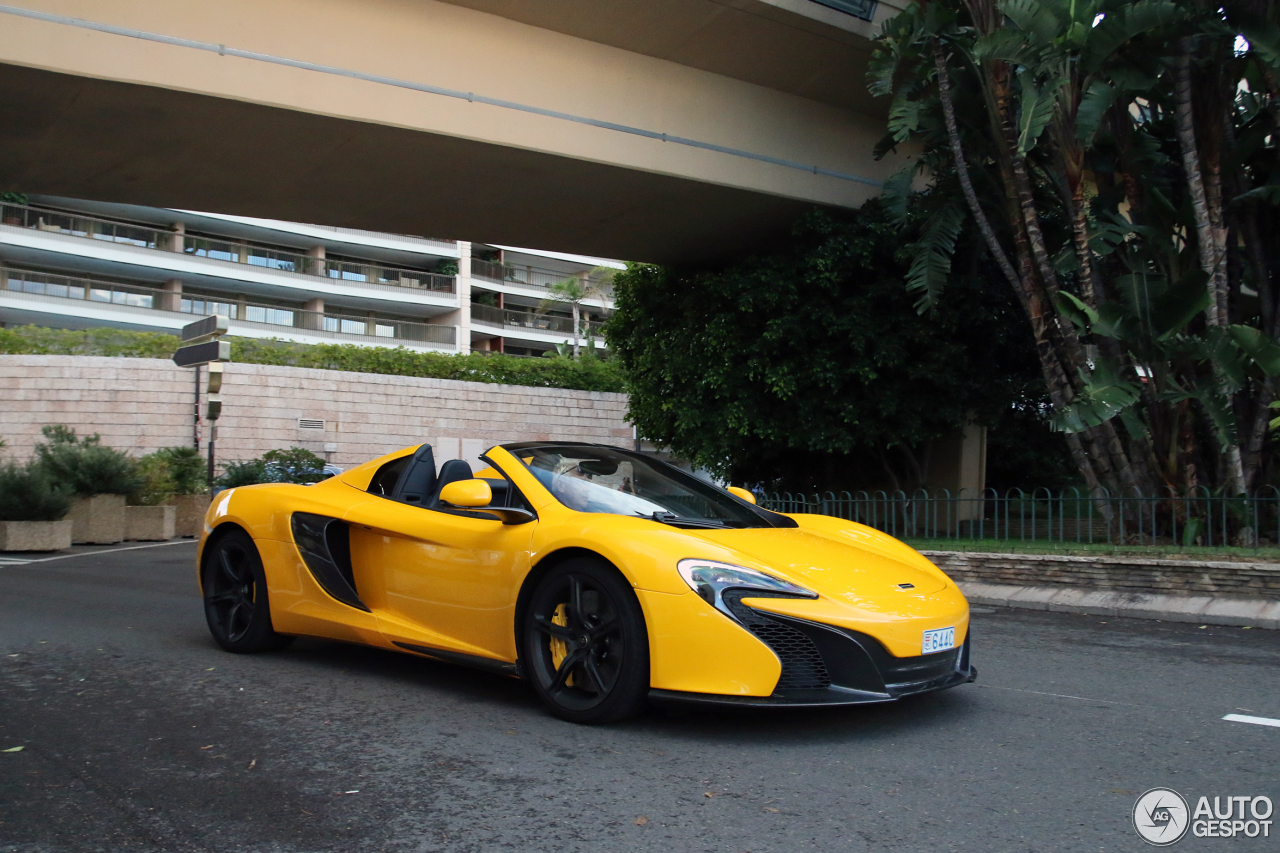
(1203, 609)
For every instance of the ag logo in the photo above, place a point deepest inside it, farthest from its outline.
(1161, 817)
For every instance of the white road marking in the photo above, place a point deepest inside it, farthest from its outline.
(9, 562)
(1257, 721)
(1062, 696)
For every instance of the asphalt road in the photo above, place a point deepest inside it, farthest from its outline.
(138, 734)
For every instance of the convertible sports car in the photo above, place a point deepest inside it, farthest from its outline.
(603, 577)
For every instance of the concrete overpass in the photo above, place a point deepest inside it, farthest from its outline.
(656, 130)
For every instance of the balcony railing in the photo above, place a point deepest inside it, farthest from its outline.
(524, 276)
(490, 316)
(389, 332)
(357, 273)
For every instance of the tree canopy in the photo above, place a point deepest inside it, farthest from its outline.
(809, 367)
(1118, 162)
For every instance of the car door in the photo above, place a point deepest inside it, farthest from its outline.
(440, 579)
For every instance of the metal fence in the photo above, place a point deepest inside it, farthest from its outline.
(358, 273)
(509, 319)
(1197, 518)
(522, 275)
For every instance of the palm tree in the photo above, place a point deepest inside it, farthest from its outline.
(1056, 128)
(576, 291)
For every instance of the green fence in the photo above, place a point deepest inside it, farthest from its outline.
(1195, 518)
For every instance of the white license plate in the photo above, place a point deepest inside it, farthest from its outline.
(939, 640)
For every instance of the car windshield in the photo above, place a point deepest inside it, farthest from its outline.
(602, 479)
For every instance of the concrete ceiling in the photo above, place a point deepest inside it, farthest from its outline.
(794, 46)
(64, 134)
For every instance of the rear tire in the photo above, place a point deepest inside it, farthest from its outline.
(236, 604)
(584, 644)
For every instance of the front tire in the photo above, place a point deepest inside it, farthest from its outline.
(236, 605)
(584, 645)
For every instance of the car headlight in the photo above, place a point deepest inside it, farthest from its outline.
(711, 580)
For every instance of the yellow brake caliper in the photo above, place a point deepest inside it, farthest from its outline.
(560, 649)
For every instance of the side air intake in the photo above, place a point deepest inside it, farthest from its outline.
(326, 550)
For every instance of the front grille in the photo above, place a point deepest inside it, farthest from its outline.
(921, 668)
(802, 665)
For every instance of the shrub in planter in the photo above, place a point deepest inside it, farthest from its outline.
(99, 476)
(187, 468)
(32, 507)
(180, 481)
(85, 465)
(156, 482)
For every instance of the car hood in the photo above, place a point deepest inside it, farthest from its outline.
(852, 565)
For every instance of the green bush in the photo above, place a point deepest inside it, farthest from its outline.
(249, 472)
(157, 482)
(295, 465)
(28, 493)
(188, 469)
(582, 374)
(84, 466)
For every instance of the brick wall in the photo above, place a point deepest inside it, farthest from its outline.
(139, 405)
(1120, 574)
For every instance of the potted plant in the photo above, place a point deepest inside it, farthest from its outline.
(32, 510)
(148, 515)
(98, 476)
(190, 489)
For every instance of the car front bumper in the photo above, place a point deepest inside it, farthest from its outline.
(826, 665)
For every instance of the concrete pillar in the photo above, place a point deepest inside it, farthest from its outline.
(312, 320)
(463, 287)
(958, 464)
(172, 298)
(461, 318)
(316, 252)
(178, 241)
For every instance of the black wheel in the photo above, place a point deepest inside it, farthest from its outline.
(584, 646)
(235, 596)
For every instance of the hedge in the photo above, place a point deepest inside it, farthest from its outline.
(584, 374)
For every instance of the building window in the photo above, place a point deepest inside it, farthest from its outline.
(204, 306)
(864, 9)
(272, 316)
(119, 297)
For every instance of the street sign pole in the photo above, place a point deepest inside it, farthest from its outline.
(204, 347)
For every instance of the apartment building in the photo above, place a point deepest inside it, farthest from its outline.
(75, 264)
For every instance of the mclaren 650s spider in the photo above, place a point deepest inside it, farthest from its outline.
(602, 577)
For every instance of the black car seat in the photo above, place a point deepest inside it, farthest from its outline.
(450, 472)
(418, 483)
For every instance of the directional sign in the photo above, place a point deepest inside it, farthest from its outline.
(212, 351)
(208, 328)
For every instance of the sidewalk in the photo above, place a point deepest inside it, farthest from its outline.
(1201, 609)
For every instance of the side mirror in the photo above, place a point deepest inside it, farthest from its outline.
(467, 493)
(741, 493)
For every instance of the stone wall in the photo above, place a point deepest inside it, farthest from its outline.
(140, 405)
(1118, 574)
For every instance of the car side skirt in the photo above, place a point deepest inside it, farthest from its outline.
(501, 667)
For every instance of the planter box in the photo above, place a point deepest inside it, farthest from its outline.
(35, 535)
(191, 510)
(97, 520)
(149, 523)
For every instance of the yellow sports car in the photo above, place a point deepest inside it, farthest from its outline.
(602, 577)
